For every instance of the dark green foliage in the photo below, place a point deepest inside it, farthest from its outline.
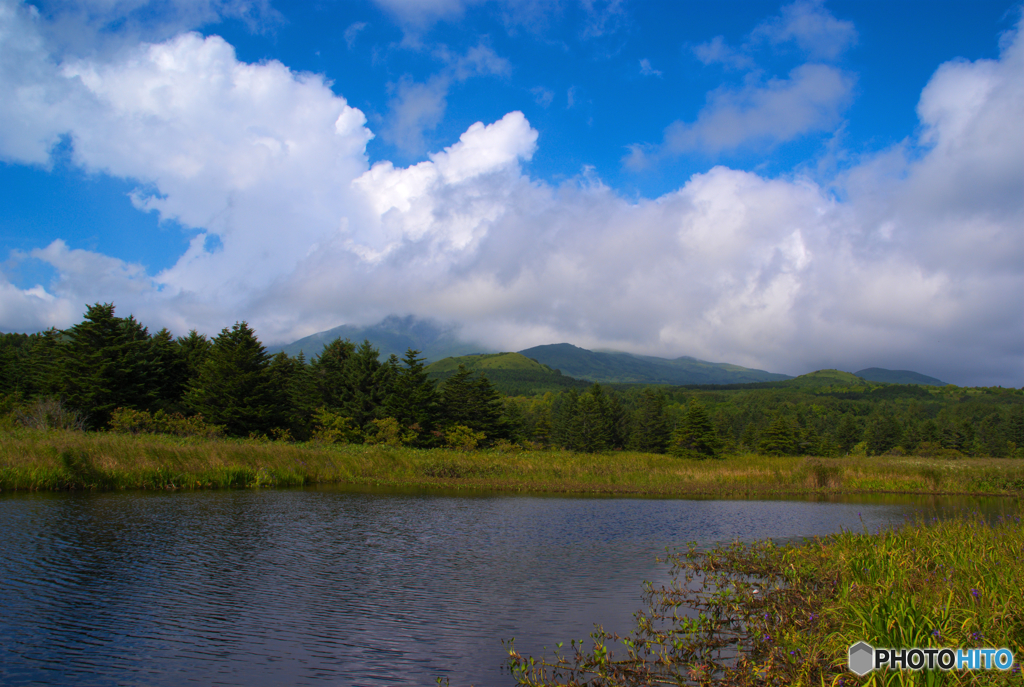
(235, 387)
(848, 433)
(472, 403)
(587, 422)
(882, 434)
(368, 383)
(696, 437)
(109, 365)
(193, 350)
(413, 400)
(330, 375)
(780, 438)
(170, 372)
(650, 431)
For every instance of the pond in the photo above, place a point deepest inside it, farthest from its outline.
(348, 586)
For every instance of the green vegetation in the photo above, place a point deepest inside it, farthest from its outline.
(511, 373)
(195, 457)
(106, 365)
(762, 614)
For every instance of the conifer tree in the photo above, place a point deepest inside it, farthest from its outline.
(413, 399)
(473, 403)
(650, 425)
(108, 365)
(697, 436)
(329, 372)
(780, 438)
(368, 384)
(234, 387)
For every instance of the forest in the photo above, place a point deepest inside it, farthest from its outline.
(110, 373)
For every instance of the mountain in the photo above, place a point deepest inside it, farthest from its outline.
(878, 374)
(393, 334)
(513, 374)
(614, 367)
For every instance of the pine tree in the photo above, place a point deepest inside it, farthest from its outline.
(368, 384)
(473, 403)
(108, 365)
(330, 374)
(779, 439)
(650, 431)
(414, 400)
(234, 387)
(697, 436)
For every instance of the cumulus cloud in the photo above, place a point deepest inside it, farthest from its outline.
(914, 258)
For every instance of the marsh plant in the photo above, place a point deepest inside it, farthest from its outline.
(761, 614)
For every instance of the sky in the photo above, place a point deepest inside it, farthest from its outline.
(787, 186)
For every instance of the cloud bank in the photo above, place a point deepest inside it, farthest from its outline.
(908, 261)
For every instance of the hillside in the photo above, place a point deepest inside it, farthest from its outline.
(878, 374)
(614, 367)
(822, 379)
(511, 373)
(393, 334)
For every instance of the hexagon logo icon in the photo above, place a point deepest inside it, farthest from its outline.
(862, 658)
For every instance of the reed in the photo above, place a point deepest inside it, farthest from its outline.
(53, 459)
(761, 614)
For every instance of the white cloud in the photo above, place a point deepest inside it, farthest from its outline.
(815, 30)
(811, 99)
(352, 32)
(919, 265)
(717, 51)
(647, 70)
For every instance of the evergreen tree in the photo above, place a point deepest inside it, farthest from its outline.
(650, 431)
(848, 434)
(234, 387)
(330, 374)
(192, 351)
(882, 433)
(697, 436)
(170, 372)
(780, 438)
(413, 400)
(473, 403)
(368, 384)
(108, 365)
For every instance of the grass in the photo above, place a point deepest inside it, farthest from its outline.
(51, 460)
(761, 614)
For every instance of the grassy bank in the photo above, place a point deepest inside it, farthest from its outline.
(761, 614)
(53, 460)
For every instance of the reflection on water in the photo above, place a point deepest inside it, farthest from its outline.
(336, 586)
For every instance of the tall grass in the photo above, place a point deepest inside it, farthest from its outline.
(765, 615)
(37, 459)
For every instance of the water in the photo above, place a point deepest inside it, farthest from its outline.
(345, 587)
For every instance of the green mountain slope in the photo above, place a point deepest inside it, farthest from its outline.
(511, 373)
(614, 367)
(878, 374)
(821, 379)
(393, 334)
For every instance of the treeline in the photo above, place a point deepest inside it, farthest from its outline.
(109, 372)
(885, 419)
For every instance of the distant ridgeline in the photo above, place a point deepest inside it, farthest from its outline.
(111, 373)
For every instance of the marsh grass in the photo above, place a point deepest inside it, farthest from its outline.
(761, 614)
(54, 459)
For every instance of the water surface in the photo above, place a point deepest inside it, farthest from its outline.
(347, 587)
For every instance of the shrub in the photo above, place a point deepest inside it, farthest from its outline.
(389, 433)
(131, 421)
(330, 427)
(49, 413)
(462, 438)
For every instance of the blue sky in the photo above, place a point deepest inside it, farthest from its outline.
(787, 186)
